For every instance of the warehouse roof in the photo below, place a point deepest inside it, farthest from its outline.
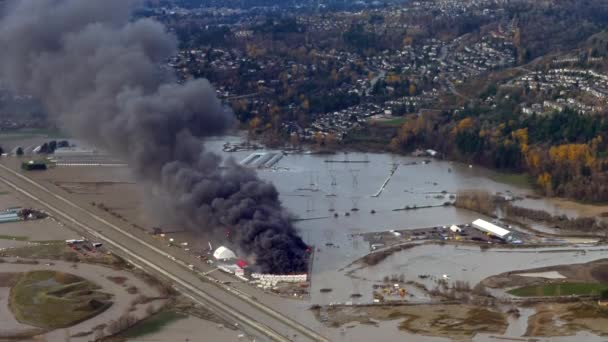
(490, 228)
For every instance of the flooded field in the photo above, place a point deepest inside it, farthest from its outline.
(316, 187)
(335, 196)
(468, 263)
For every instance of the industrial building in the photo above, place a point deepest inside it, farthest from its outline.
(6, 217)
(491, 228)
(262, 160)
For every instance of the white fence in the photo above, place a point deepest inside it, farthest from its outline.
(276, 278)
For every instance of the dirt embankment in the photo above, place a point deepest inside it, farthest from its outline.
(591, 272)
(565, 319)
(375, 258)
(455, 321)
(586, 225)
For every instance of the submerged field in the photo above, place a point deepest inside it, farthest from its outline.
(560, 289)
(38, 297)
(459, 321)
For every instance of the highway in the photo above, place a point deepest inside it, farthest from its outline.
(258, 319)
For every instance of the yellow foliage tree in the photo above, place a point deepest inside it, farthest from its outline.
(521, 137)
(532, 159)
(463, 125)
(412, 89)
(544, 181)
(254, 123)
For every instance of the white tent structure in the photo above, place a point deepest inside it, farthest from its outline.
(490, 228)
(223, 253)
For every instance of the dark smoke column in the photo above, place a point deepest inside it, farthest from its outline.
(99, 75)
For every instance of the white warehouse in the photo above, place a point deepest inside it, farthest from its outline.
(491, 228)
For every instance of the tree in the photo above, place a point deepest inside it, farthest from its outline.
(19, 151)
(412, 89)
(320, 139)
(544, 181)
(294, 139)
(330, 139)
(44, 149)
(254, 124)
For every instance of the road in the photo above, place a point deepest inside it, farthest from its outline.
(258, 319)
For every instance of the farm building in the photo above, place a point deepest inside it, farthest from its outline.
(9, 217)
(491, 228)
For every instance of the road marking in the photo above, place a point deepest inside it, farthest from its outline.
(256, 325)
(208, 272)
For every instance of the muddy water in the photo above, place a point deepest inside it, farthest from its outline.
(311, 188)
(470, 264)
(314, 190)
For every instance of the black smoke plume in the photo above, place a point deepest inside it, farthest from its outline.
(99, 74)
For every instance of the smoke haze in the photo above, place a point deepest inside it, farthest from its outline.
(99, 74)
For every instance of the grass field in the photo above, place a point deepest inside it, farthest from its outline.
(564, 289)
(153, 324)
(50, 300)
(517, 179)
(396, 122)
(15, 238)
(47, 250)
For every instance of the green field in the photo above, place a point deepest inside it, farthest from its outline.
(563, 289)
(518, 179)
(51, 300)
(153, 324)
(47, 250)
(397, 122)
(16, 238)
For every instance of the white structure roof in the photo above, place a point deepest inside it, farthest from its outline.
(455, 228)
(223, 253)
(491, 228)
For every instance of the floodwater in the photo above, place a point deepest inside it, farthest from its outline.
(314, 187)
(470, 263)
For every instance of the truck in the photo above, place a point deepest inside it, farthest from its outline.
(33, 165)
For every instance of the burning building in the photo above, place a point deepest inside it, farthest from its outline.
(99, 73)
